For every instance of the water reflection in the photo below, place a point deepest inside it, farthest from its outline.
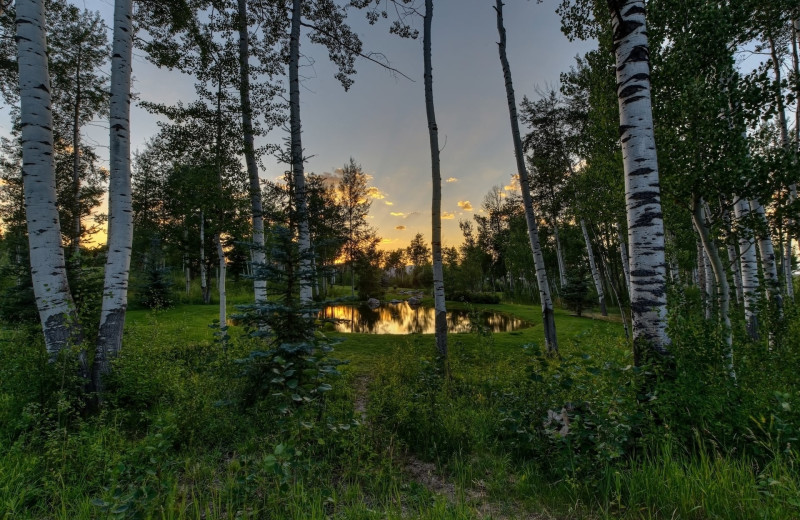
(401, 318)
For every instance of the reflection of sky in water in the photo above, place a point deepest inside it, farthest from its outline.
(402, 318)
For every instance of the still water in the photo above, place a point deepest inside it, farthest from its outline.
(401, 318)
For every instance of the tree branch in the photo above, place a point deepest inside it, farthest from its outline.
(368, 57)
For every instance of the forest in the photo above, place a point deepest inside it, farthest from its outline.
(612, 334)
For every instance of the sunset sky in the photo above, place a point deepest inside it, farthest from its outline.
(381, 121)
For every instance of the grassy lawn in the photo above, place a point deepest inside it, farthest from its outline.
(395, 438)
(191, 323)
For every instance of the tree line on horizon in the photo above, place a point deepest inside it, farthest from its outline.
(658, 162)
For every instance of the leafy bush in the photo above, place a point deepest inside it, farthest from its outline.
(473, 297)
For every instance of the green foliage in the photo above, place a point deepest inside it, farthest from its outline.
(575, 294)
(154, 291)
(288, 370)
(473, 297)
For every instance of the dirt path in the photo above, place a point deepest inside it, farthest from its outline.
(427, 475)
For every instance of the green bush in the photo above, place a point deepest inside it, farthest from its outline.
(473, 297)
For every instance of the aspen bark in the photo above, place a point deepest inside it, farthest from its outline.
(48, 271)
(298, 174)
(440, 323)
(642, 188)
(256, 205)
(562, 270)
(720, 278)
(120, 213)
(749, 269)
(787, 266)
(623, 253)
(598, 283)
(767, 253)
(223, 298)
(204, 290)
(76, 164)
(548, 318)
(733, 257)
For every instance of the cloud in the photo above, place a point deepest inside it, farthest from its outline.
(400, 228)
(388, 203)
(448, 216)
(465, 205)
(514, 185)
(375, 193)
(451, 179)
(397, 214)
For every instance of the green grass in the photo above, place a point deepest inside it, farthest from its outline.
(172, 443)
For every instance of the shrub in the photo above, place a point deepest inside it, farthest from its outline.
(474, 297)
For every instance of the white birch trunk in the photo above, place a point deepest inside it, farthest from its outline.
(256, 205)
(298, 174)
(642, 190)
(440, 323)
(562, 270)
(120, 214)
(186, 269)
(767, 253)
(701, 272)
(787, 269)
(548, 318)
(720, 278)
(223, 299)
(48, 271)
(76, 165)
(732, 256)
(749, 269)
(598, 283)
(204, 291)
(623, 253)
(711, 288)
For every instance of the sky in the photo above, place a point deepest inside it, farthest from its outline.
(381, 121)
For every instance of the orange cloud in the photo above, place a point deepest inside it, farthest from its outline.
(448, 216)
(388, 203)
(451, 179)
(465, 205)
(397, 214)
(375, 193)
(400, 228)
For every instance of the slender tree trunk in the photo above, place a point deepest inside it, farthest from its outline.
(782, 124)
(598, 283)
(749, 268)
(76, 165)
(721, 279)
(223, 299)
(48, 271)
(605, 263)
(298, 174)
(186, 268)
(256, 205)
(796, 71)
(767, 252)
(642, 189)
(711, 287)
(623, 253)
(204, 290)
(733, 257)
(548, 318)
(562, 270)
(120, 214)
(787, 263)
(701, 274)
(440, 324)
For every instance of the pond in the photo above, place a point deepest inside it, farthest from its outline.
(402, 318)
